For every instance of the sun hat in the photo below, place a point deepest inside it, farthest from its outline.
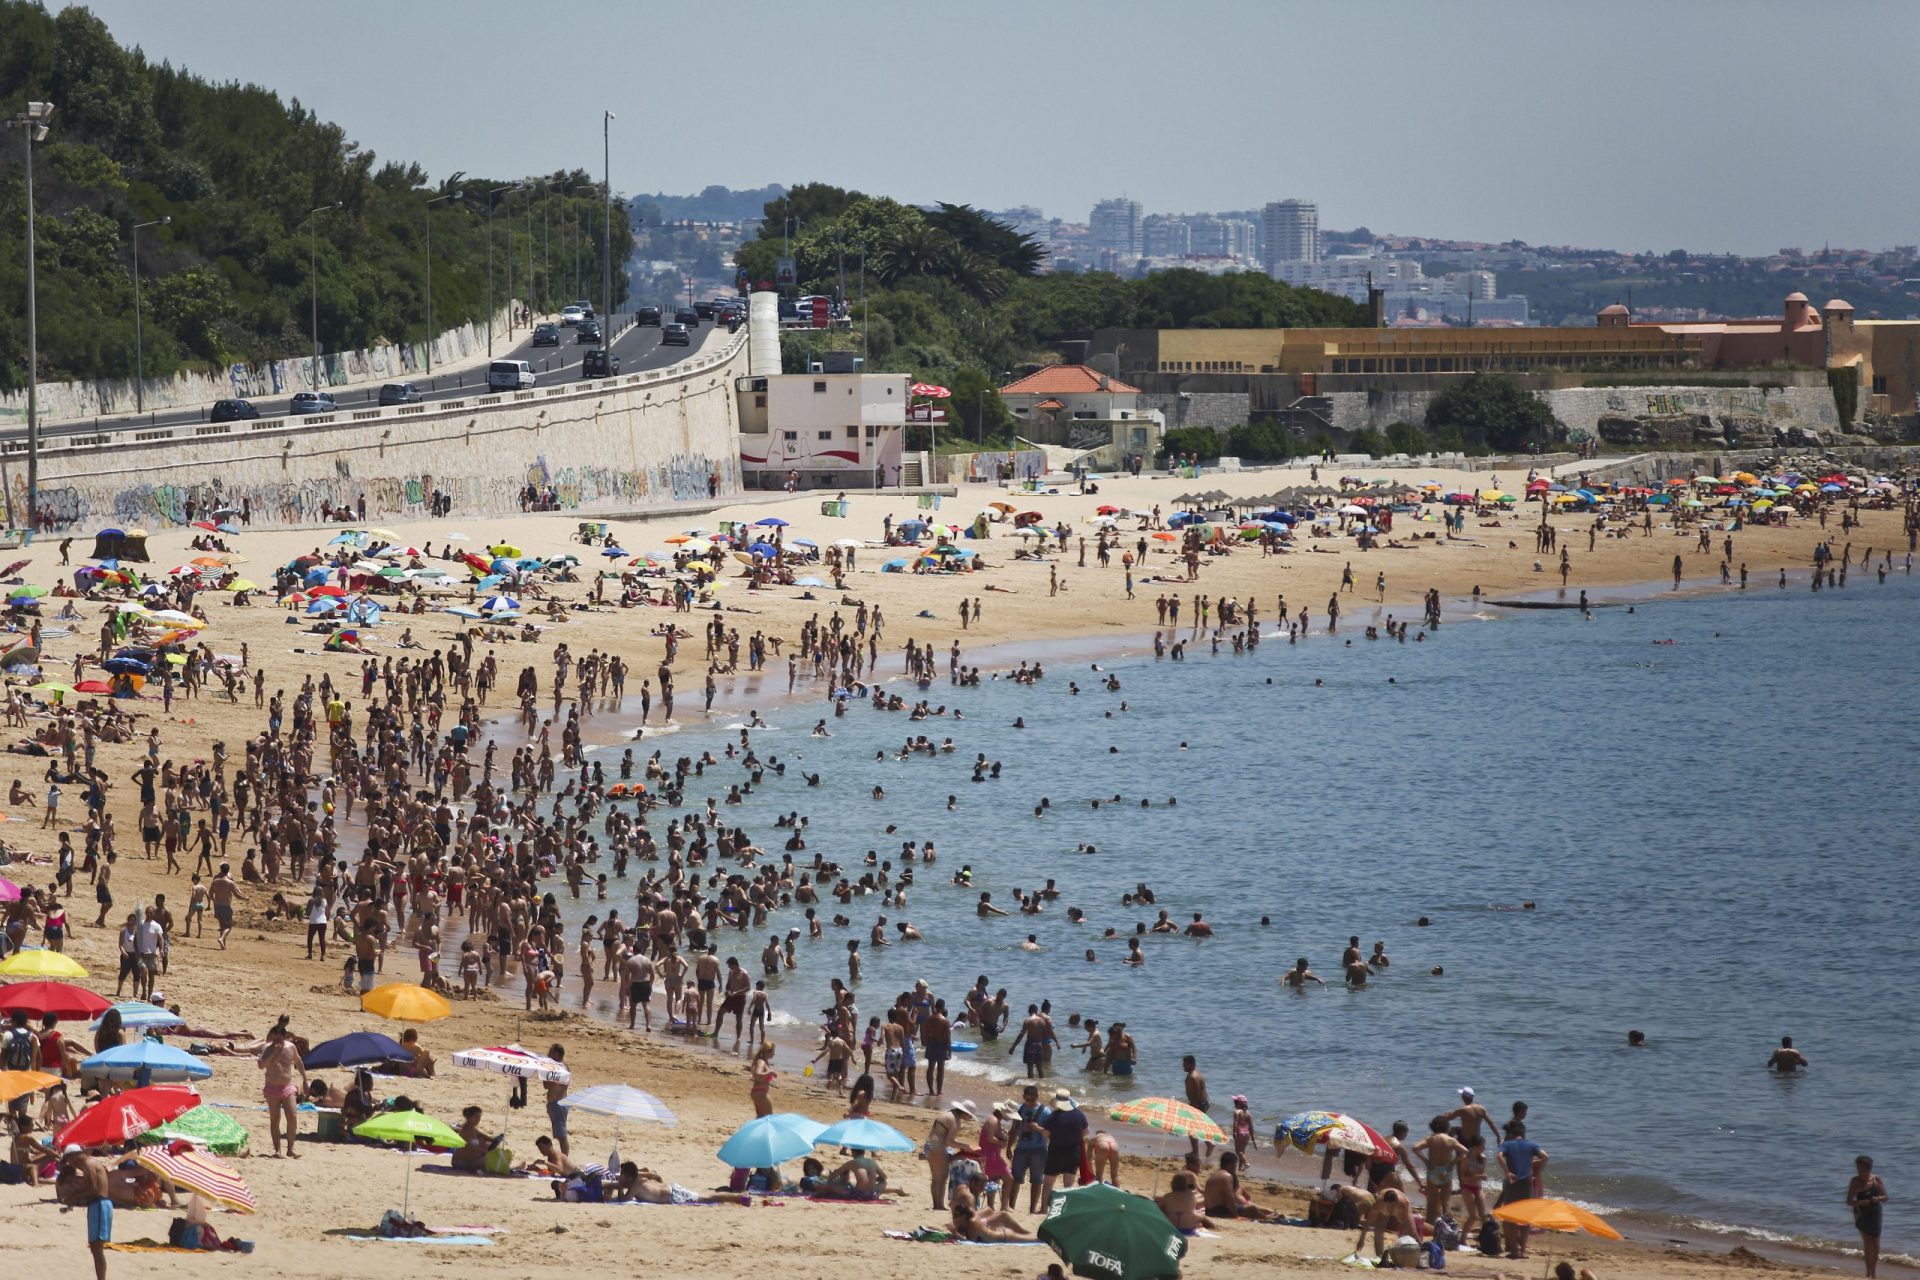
(1063, 1100)
(964, 1107)
(1466, 1091)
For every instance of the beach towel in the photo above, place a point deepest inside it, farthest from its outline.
(453, 1240)
(933, 1235)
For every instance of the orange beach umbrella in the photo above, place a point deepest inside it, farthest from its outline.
(1549, 1214)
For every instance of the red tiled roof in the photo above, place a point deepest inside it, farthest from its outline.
(1050, 403)
(1065, 379)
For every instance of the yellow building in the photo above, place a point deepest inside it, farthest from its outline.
(1325, 352)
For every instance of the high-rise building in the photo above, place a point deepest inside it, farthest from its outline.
(1166, 235)
(1216, 237)
(1293, 232)
(1115, 227)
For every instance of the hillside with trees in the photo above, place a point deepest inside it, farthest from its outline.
(237, 170)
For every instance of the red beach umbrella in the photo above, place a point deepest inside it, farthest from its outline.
(61, 999)
(123, 1117)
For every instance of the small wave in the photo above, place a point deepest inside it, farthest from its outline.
(966, 1064)
(1752, 1233)
(738, 725)
(781, 1018)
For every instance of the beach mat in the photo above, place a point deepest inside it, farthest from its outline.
(453, 1240)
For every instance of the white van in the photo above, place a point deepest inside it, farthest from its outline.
(509, 375)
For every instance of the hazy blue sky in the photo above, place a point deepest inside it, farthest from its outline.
(1637, 124)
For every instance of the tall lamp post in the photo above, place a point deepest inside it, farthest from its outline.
(313, 286)
(33, 124)
(511, 186)
(451, 195)
(606, 177)
(139, 349)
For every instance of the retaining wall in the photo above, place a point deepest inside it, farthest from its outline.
(1581, 408)
(610, 444)
(64, 401)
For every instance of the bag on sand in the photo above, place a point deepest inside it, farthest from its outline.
(1490, 1238)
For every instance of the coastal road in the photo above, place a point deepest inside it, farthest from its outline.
(637, 347)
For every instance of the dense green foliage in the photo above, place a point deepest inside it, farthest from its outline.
(238, 171)
(955, 297)
(1488, 411)
(1845, 384)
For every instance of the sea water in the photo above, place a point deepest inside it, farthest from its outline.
(1708, 801)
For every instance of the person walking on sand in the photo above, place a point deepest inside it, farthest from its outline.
(1865, 1196)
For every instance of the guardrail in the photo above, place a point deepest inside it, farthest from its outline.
(83, 445)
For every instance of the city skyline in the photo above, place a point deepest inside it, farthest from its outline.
(1593, 127)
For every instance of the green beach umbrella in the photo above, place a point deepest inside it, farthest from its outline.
(1104, 1232)
(204, 1126)
(405, 1127)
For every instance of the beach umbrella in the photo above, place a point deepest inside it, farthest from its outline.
(771, 522)
(204, 1126)
(199, 1173)
(461, 611)
(1162, 536)
(766, 550)
(1544, 1213)
(766, 1141)
(37, 962)
(894, 566)
(9, 891)
(1308, 1129)
(146, 1062)
(505, 549)
(864, 1134)
(677, 539)
(848, 542)
(138, 1015)
(242, 584)
(351, 538)
(622, 1102)
(324, 605)
(18, 1084)
(122, 1117)
(51, 686)
(27, 591)
(500, 604)
(406, 1128)
(1102, 1231)
(37, 999)
(23, 656)
(406, 1002)
(805, 542)
(1169, 1115)
(355, 1049)
(512, 1060)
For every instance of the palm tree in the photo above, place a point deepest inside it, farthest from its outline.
(920, 251)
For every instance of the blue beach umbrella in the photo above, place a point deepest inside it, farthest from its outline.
(138, 1015)
(865, 1134)
(770, 1140)
(324, 605)
(146, 1062)
(893, 566)
(500, 604)
(461, 611)
(771, 522)
(765, 550)
(356, 1049)
(614, 553)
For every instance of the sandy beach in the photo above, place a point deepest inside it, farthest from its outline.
(308, 1206)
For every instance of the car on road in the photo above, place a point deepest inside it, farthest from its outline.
(589, 331)
(704, 310)
(647, 316)
(306, 402)
(400, 393)
(688, 317)
(572, 315)
(546, 334)
(509, 375)
(675, 335)
(232, 411)
(599, 363)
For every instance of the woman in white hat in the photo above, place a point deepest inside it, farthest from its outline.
(944, 1133)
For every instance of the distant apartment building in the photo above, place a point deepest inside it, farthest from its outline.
(1026, 220)
(1166, 235)
(1347, 271)
(1293, 232)
(1213, 237)
(1115, 228)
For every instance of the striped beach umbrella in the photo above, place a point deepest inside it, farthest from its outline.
(1169, 1115)
(199, 1173)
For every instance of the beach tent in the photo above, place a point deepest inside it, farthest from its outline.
(120, 544)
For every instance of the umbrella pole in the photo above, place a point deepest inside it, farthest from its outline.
(406, 1195)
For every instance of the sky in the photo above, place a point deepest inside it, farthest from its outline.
(1711, 125)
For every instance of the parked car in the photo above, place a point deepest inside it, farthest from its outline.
(571, 315)
(688, 317)
(400, 393)
(546, 334)
(647, 316)
(599, 363)
(675, 335)
(233, 411)
(588, 331)
(306, 402)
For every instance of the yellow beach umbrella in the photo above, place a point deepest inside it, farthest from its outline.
(36, 962)
(1545, 1213)
(18, 1084)
(406, 1002)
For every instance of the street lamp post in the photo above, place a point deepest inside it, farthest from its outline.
(606, 176)
(313, 286)
(33, 124)
(139, 350)
(451, 195)
(490, 195)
